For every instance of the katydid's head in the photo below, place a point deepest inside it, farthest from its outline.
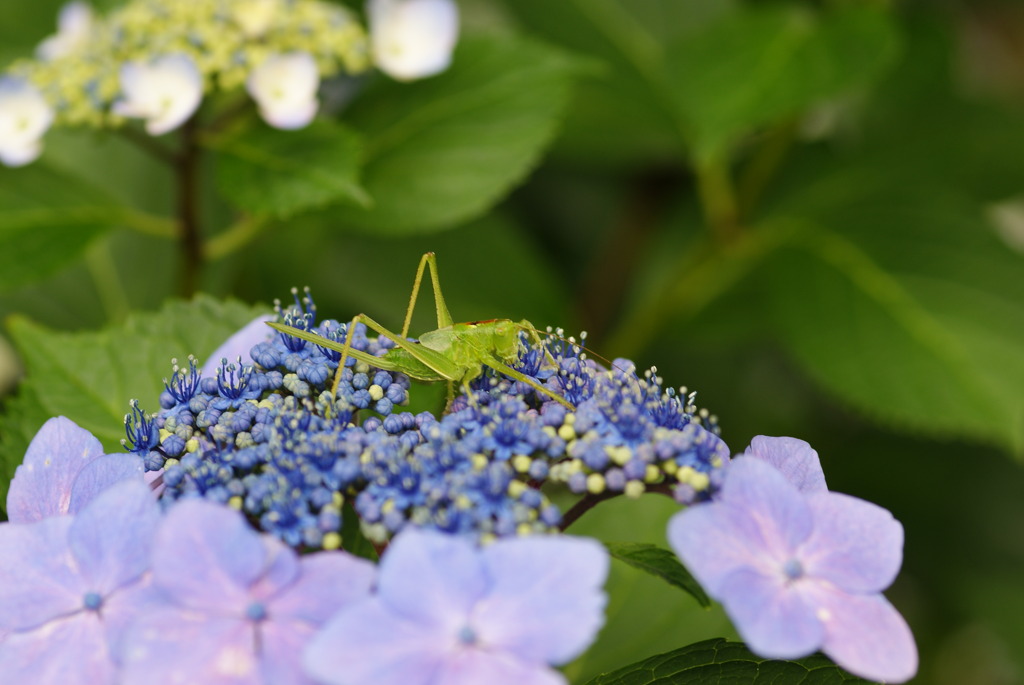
(506, 340)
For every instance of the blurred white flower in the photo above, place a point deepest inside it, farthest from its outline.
(284, 87)
(254, 17)
(74, 23)
(412, 38)
(24, 118)
(164, 92)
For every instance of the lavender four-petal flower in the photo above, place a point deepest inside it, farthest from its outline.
(64, 469)
(69, 585)
(798, 572)
(449, 613)
(233, 606)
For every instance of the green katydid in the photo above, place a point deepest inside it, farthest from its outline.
(454, 352)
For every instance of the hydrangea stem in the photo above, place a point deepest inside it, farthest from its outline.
(187, 172)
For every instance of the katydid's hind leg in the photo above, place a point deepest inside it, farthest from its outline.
(349, 335)
(519, 376)
(415, 294)
(444, 318)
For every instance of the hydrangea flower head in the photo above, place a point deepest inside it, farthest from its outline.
(254, 17)
(24, 118)
(412, 39)
(101, 68)
(231, 605)
(284, 87)
(164, 92)
(447, 612)
(74, 26)
(798, 572)
(64, 469)
(70, 586)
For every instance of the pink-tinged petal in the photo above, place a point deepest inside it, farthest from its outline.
(101, 473)
(280, 570)
(172, 647)
(281, 644)
(782, 512)
(856, 545)
(472, 666)
(432, 578)
(206, 556)
(715, 539)
(239, 344)
(867, 636)
(68, 651)
(773, 617)
(40, 580)
(797, 461)
(368, 644)
(111, 539)
(155, 481)
(545, 604)
(125, 606)
(329, 582)
(42, 484)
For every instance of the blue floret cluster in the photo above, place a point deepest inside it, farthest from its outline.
(280, 438)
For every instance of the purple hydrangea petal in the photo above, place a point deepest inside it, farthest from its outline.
(170, 646)
(281, 647)
(545, 605)
(774, 619)
(280, 569)
(368, 644)
(206, 556)
(111, 538)
(42, 484)
(239, 344)
(329, 582)
(867, 636)
(40, 578)
(432, 577)
(124, 606)
(100, 474)
(780, 510)
(795, 458)
(715, 539)
(475, 666)
(69, 651)
(856, 545)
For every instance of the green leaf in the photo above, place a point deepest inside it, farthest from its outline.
(281, 173)
(630, 93)
(90, 376)
(759, 66)
(442, 150)
(47, 219)
(912, 311)
(658, 562)
(719, 662)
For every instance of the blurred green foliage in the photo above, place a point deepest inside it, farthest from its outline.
(789, 206)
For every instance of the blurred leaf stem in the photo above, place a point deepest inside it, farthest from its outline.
(704, 273)
(718, 198)
(103, 270)
(239, 234)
